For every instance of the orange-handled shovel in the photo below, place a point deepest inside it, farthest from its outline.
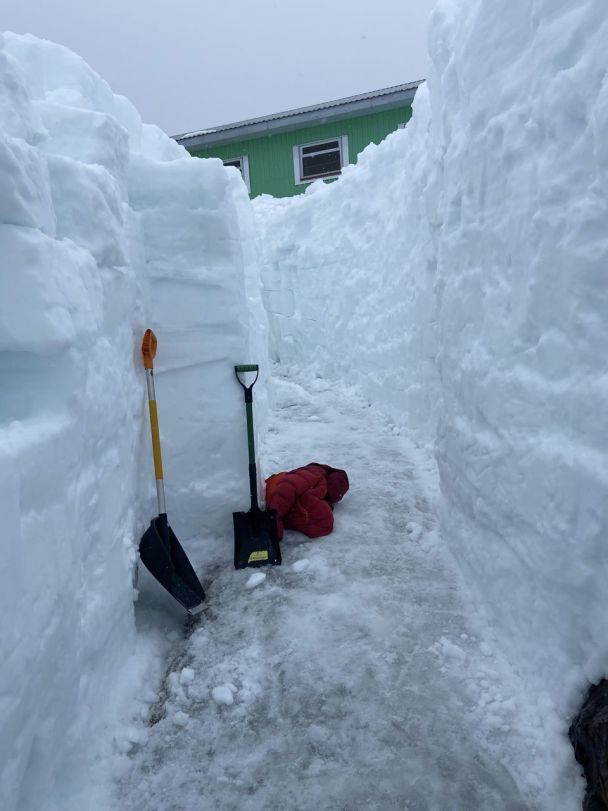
(160, 551)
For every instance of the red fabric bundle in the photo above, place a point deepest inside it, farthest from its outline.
(303, 498)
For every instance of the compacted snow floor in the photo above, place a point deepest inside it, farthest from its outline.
(347, 679)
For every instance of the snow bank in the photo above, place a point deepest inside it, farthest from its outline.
(458, 274)
(348, 282)
(106, 227)
(523, 300)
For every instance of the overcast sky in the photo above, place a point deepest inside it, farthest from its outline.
(194, 64)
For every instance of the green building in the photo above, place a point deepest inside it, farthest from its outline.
(281, 154)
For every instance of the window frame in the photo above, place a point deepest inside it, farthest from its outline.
(244, 170)
(297, 159)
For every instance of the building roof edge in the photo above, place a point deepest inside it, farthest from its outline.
(402, 93)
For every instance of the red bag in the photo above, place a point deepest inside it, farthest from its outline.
(303, 498)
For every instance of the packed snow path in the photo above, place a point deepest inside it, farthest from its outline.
(325, 686)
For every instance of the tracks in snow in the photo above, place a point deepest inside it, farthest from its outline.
(350, 667)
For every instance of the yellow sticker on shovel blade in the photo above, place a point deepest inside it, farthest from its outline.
(255, 556)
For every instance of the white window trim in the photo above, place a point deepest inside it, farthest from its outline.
(244, 159)
(297, 155)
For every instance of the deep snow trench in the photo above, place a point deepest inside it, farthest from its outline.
(349, 677)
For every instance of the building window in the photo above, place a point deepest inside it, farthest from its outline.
(320, 159)
(242, 164)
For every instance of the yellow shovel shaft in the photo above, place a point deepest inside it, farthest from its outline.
(158, 462)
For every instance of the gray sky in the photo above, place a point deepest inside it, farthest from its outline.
(194, 64)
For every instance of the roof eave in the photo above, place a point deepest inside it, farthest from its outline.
(298, 120)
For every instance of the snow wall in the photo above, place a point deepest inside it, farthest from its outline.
(459, 275)
(106, 227)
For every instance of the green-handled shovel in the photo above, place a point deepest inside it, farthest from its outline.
(255, 532)
(160, 551)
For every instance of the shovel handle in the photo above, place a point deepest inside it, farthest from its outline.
(158, 461)
(250, 367)
(148, 350)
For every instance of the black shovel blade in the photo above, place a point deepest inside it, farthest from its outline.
(163, 556)
(255, 539)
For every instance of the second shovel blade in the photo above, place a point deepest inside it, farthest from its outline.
(255, 539)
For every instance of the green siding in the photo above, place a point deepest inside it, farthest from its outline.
(271, 169)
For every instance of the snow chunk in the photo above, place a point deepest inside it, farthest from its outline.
(224, 694)
(180, 718)
(186, 676)
(255, 579)
(301, 565)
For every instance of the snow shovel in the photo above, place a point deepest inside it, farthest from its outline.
(160, 551)
(255, 532)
